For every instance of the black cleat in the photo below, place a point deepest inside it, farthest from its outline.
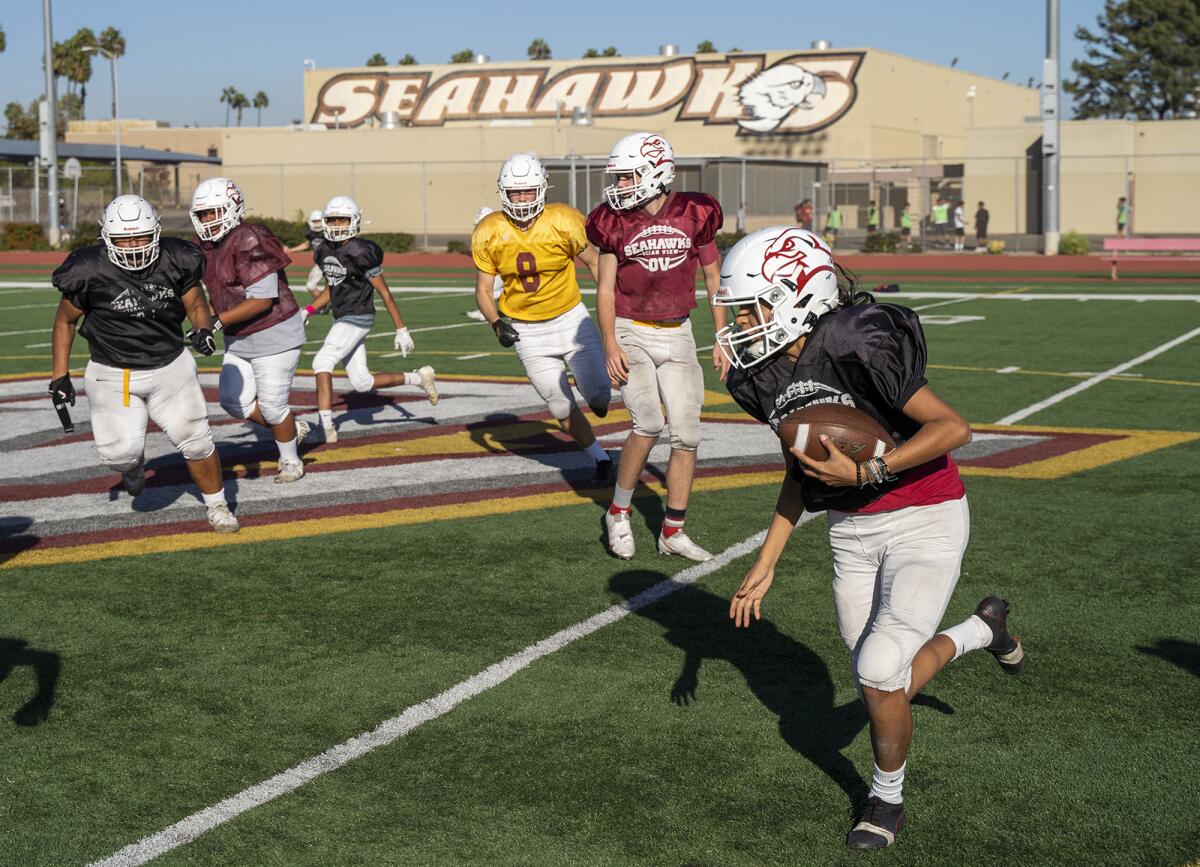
(134, 481)
(878, 825)
(603, 474)
(1006, 648)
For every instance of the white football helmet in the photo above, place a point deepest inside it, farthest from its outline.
(341, 206)
(523, 172)
(223, 196)
(131, 217)
(481, 213)
(786, 273)
(652, 161)
(315, 220)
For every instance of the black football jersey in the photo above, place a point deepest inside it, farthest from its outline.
(347, 266)
(867, 356)
(315, 239)
(132, 318)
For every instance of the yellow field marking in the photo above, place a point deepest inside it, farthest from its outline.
(1131, 444)
(1056, 373)
(351, 523)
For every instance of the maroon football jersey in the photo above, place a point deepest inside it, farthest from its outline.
(657, 253)
(243, 257)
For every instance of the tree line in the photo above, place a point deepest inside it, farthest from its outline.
(538, 49)
(237, 101)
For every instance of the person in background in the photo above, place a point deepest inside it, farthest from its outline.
(960, 227)
(906, 225)
(872, 218)
(941, 220)
(1122, 216)
(833, 222)
(981, 226)
(804, 214)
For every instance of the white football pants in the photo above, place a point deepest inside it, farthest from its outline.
(663, 371)
(569, 339)
(266, 380)
(344, 345)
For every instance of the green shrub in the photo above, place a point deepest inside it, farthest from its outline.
(1072, 244)
(457, 246)
(84, 237)
(392, 242)
(725, 240)
(914, 247)
(882, 242)
(23, 236)
(289, 232)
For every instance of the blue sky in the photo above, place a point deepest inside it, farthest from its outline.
(177, 65)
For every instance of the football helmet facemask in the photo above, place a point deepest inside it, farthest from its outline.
(341, 208)
(650, 159)
(223, 196)
(315, 220)
(520, 172)
(131, 217)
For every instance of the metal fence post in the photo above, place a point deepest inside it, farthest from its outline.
(424, 209)
(282, 188)
(1017, 204)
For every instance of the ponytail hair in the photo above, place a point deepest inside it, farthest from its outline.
(848, 291)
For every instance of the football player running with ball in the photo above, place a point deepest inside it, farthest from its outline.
(255, 309)
(898, 524)
(353, 268)
(134, 291)
(650, 241)
(532, 246)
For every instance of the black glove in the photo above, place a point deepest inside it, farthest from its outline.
(202, 341)
(505, 333)
(62, 391)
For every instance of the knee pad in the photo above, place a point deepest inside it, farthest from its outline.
(325, 360)
(647, 417)
(234, 407)
(881, 663)
(686, 435)
(361, 380)
(121, 455)
(273, 414)
(560, 406)
(198, 443)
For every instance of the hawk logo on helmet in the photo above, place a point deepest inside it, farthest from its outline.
(234, 192)
(786, 256)
(654, 150)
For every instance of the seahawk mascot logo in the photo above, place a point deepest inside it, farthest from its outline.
(775, 93)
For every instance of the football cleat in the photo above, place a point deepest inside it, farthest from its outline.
(289, 471)
(330, 433)
(678, 543)
(302, 429)
(603, 475)
(476, 315)
(134, 481)
(222, 520)
(878, 826)
(1005, 647)
(620, 535)
(429, 384)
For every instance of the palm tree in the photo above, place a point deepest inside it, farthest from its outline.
(539, 50)
(3, 44)
(260, 102)
(376, 59)
(239, 103)
(112, 44)
(227, 96)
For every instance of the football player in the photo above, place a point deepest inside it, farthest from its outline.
(134, 291)
(312, 237)
(497, 284)
(898, 524)
(650, 241)
(353, 268)
(248, 288)
(532, 246)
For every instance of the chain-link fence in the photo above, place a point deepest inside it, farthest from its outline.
(435, 200)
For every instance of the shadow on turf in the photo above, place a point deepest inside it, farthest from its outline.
(789, 679)
(15, 653)
(1185, 654)
(12, 540)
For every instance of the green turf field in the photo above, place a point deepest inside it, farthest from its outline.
(139, 691)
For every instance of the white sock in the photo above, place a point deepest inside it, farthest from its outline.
(413, 378)
(596, 453)
(622, 498)
(216, 499)
(888, 786)
(326, 417)
(287, 451)
(971, 634)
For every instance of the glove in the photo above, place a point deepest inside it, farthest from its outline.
(403, 342)
(505, 333)
(306, 312)
(62, 391)
(202, 341)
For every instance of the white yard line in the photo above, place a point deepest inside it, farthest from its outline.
(28, 306)
(187, 830)
(20, 333)
(1098, 378)
(941, 304)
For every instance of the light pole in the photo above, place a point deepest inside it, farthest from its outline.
(52, 233)
(116, 104)
(971, 106)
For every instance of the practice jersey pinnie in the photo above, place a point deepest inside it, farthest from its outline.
(133, 319)
(348, 267)
(870, 357)
(657, 253)
(537, 265)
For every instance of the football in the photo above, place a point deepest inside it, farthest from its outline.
(856, 434)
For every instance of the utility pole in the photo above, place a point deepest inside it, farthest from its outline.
(52, 118)
(1050, 130)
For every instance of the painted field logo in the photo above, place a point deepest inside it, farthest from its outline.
(659, 248)
(757, 94)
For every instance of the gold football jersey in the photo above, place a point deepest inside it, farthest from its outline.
(537, 265)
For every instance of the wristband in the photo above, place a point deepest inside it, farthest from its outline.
(217, 324)
(310, 310)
